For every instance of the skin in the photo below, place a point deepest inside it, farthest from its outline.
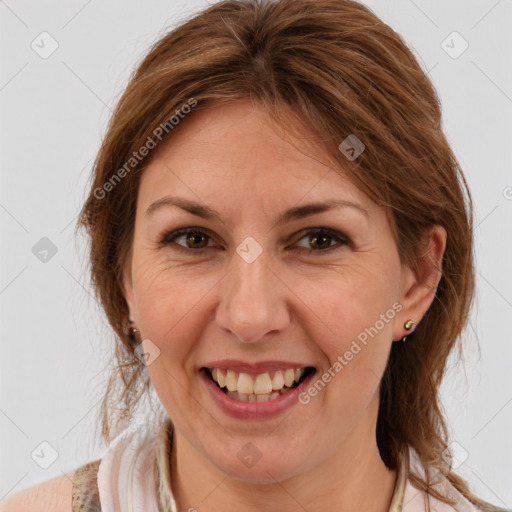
(288, 304)
(55, 494)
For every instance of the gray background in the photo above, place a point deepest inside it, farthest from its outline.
(54, 111)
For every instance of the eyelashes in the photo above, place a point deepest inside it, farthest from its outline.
(320, 236)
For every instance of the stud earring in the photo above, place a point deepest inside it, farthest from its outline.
(407, 326)
(132, 335)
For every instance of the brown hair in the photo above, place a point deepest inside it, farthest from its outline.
(340, 70)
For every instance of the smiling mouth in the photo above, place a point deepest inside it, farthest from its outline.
(257, 388)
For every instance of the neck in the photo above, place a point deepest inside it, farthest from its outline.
(353, 478)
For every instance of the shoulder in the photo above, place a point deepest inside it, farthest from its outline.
(53, 495)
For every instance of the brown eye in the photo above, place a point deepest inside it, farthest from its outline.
(320, 240)
(193, 239)
(196, 240)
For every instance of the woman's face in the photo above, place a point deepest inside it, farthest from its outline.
(252, 292)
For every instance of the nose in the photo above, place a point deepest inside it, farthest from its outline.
(253, 302)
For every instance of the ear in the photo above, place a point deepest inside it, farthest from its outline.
(127, 285)
(419, 285)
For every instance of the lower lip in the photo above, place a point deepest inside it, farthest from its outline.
(254, 410)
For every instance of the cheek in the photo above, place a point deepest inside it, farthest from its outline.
(351, 321)
(344, 303)
(161, 288)
(171, 306)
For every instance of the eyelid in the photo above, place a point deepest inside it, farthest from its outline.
(335, 235)
(169, 236)
(167, 239)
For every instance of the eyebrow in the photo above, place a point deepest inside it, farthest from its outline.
(295, 213)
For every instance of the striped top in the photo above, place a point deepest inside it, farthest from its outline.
(134, 476)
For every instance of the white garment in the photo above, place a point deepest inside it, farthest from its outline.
(419, 501)
(128, 474)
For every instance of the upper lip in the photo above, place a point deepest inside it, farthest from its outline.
(254, 368)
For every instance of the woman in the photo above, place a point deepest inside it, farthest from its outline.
(281, 239)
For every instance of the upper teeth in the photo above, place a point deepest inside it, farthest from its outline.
(262, 383)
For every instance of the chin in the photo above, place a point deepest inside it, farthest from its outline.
(249, 464)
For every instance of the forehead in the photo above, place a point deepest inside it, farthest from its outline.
(235, 154)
